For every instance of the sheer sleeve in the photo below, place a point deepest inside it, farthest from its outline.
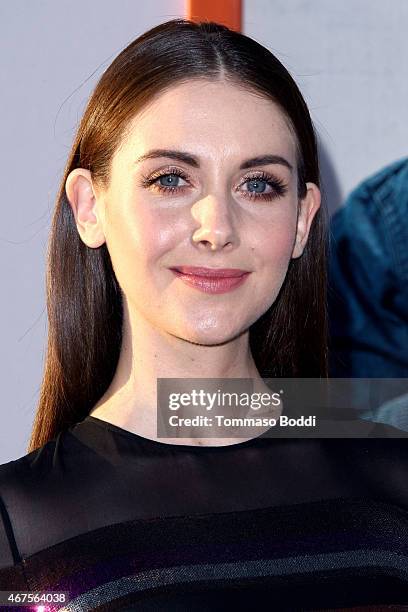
(12, 575)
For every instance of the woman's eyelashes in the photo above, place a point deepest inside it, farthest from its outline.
(257, 186)
(260, 185)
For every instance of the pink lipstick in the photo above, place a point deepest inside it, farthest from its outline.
(211, 280)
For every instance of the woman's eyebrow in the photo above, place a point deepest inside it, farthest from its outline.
(192, 160)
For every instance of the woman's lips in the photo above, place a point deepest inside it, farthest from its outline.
(211, 280)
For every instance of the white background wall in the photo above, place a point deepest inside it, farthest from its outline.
(350, 60)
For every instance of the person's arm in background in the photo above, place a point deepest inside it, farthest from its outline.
(368, 279)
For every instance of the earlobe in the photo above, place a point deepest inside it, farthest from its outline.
(308, 207)
(82, 199)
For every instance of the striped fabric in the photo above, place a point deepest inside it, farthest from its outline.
(352, 552)
(122, 522)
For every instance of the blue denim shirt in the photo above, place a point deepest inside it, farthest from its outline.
(368, 278)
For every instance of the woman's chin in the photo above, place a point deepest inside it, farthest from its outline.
(210, 336)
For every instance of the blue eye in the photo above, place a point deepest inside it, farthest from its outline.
(172, 180)
(256, 187)
(258, 184)
(168, 182)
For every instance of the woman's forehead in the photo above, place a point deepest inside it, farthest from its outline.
(211, 118)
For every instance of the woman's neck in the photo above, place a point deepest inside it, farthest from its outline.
(147, 354)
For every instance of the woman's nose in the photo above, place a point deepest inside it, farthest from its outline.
(216, 225)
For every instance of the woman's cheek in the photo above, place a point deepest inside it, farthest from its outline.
(135, 247)
(275, 251)
(275, 242)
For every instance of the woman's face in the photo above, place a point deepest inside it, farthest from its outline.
(215, 210)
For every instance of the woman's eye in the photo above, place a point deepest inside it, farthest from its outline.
(256, 185)
(169, 180)
(264, 188)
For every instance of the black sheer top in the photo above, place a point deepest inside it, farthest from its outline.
(121, 522)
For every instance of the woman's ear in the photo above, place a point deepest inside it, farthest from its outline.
(81, 196)
(308, 207)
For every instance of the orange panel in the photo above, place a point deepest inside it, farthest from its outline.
(227, 12)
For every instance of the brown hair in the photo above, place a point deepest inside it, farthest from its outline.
(84, 302)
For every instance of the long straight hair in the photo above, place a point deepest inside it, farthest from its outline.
(84, 300)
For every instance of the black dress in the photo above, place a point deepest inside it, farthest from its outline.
(121, 522)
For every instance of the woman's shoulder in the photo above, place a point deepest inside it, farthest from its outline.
(19, 476)
(7, 481)
(37, 470)
(72, 475)
(9, 471)
(18, 483)
(38, 491)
